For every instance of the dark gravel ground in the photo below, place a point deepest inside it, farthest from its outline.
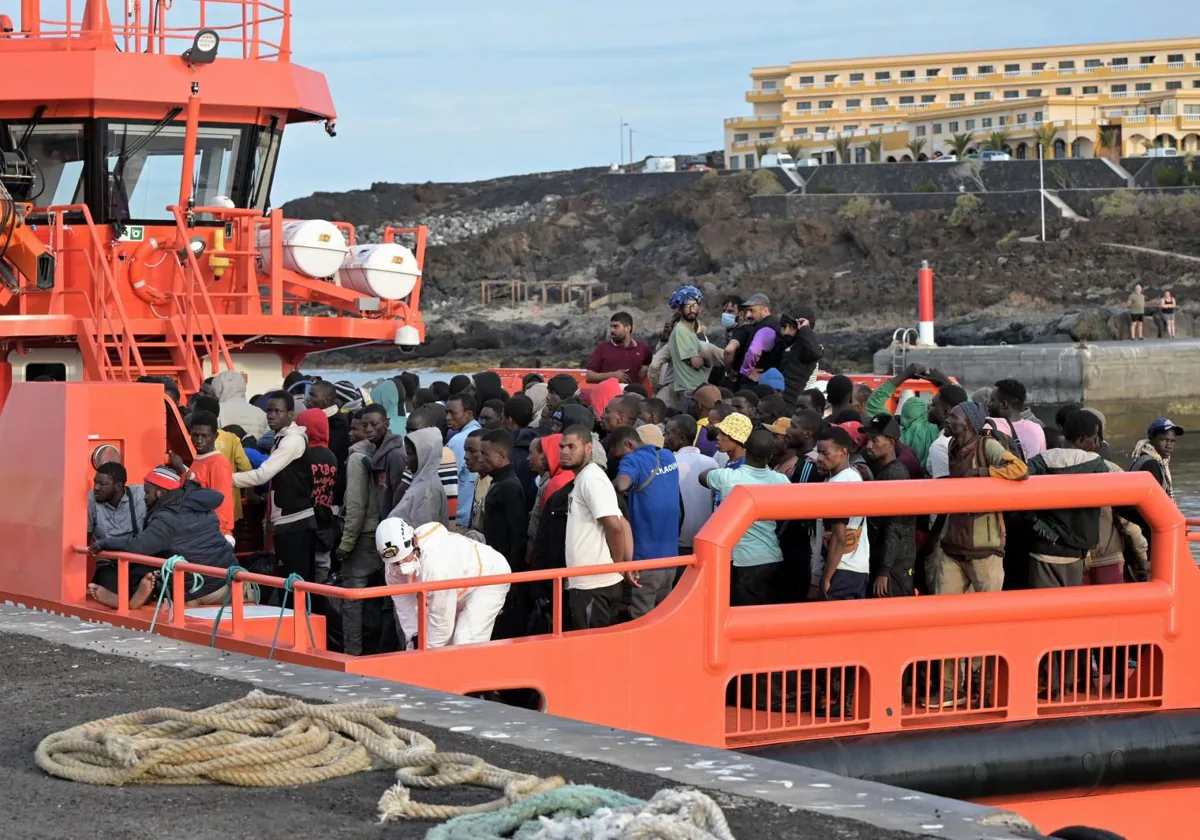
(48, 687)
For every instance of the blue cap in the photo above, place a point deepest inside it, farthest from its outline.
(772, 378)
(1163, 425)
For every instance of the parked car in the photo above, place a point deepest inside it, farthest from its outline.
(806, 162)
(991, 154)
(1162, 152)
(659, 164)
(945, 159)
(777, 161)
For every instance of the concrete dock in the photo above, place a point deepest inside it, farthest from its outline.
(60, 672)
(1087, 372)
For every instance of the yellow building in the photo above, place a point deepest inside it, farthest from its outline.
(1115, 99)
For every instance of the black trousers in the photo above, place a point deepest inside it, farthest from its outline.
(296, 552)
(595, 607)
(751, 586)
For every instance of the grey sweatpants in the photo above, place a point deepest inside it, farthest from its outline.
(656, 585)
(357, 569)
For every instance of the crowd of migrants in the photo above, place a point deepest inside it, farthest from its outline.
(399, 483)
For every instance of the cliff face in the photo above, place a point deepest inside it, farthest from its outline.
(646, 234)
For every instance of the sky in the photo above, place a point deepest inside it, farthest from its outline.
(471, 89)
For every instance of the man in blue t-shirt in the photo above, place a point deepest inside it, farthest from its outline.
(649, 478)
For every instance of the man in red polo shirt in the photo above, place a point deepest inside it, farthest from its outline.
(622, 357)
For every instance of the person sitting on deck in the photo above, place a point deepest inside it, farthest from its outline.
(433, 553)
(181, 520)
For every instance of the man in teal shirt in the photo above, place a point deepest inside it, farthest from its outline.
(757, 557)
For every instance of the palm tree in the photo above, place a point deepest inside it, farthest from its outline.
(997, 140)
(959, 143)
(763, 149)
(794, 149)
(1045, 134)
(842, 146)
(916, 146)
(1108, 138)
(875, 150)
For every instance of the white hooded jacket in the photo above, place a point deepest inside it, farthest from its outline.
(229, 387)
(454, 616)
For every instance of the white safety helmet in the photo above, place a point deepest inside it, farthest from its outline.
(394, 542)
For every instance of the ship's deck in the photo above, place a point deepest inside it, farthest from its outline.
(60, 672)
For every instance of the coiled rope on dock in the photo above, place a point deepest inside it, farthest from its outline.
(269, 741)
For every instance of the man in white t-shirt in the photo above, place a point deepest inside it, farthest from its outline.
(597, 533)
(844, 572)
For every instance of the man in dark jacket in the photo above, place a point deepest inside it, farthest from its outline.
(802, 350)
(181, 520)
(505, 520)
(518, 414)
(324, 396)
(389, 461)
(1062, 538)
(893, 538)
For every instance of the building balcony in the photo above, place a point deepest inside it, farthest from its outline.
(765, 95)
(759, 121)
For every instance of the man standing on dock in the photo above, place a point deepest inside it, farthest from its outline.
(1137, 314)
(622, 357)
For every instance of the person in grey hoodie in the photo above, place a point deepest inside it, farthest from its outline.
(356, 552)
(425, 499)
(389, 461)
(229, 387)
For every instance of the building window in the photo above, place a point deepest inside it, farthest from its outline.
(803, 106)
(1003, 120)
(933, 71)
(1120, 62)
(1174, 85)
(1119, 88)
(1146, 59)
(1039, 116)
(830, 78)
(821, 129)
(883, 76)
(937, 128)
(740, 138)
(1033, 93)
(806, 80)
(954, 128)
(735, 162)
(749, 161)
(1175, 58)
(853, 103)
(907, 100)
(825, 104)
(857, 77)
(959, 71)
(768, 86)
(877, 125)
(853, 127)
(908, 74)
(983, 95)
(1196, 82)
(920, 131)
(800, 132)
(1012, 94)
(1039, 65)
(986, 122)
(927, 98)
(1012, 68)
(986, 68)
(957, 97)
(1062, 91)
(1093, 62)
(1144, 86)
(1090, 90)
(830, 158)
(1066, 65)
(970, 125)
(878, 100)
(766, 135)
(1022, 119)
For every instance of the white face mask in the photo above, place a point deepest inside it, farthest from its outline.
(409, 567)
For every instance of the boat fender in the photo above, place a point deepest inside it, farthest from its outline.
(1082, 832)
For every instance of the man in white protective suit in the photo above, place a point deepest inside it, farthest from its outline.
(433, 553)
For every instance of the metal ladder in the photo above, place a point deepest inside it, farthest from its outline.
(902, 339)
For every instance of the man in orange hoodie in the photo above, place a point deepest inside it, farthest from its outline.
(210, 469)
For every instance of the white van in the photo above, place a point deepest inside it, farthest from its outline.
(804, 163)
(659, 164)
(1162, 152)
(777, 161)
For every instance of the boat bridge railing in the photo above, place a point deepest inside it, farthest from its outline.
(249, 29)
(783, 672)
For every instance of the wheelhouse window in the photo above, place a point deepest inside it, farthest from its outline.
(56, 152)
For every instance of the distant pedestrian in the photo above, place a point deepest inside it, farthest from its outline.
(1168, 306)
(1137, 314)
(687, 360)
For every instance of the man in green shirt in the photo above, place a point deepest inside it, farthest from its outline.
(1137, 314)
(687, 363)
